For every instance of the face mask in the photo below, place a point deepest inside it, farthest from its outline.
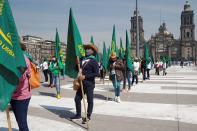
(89, 52)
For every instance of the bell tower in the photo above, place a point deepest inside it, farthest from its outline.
(187, 33)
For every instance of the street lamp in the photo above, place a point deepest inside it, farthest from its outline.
(137, 32)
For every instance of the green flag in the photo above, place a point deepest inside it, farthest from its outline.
(104, 57)
(74, 47)
(146, 53)
(128, 54)
(57, 46)
(113, 43)
(121, 50)
(11, 56)
(108, 57)
(92, 40)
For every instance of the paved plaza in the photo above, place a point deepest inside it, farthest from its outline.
(164, 103)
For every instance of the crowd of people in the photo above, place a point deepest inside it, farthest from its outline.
(53, 69)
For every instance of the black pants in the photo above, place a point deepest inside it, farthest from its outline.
(45, 75)
(133, 79)
(20, 108)
(89, 91)
(144, 73)
(51, 77)
(148, 73)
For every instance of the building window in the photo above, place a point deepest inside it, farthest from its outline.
(188, 35)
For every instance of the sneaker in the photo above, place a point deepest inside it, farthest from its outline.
(58, 96)
(118, 99)
(115, 99)
(129, 90)
(75, 117)
(84, 120)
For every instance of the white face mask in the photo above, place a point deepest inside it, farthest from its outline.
(89, 52)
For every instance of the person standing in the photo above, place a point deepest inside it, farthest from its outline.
(116, 74)
(164, 68)
(50, 74)
(143, 68)
(55, 68)
(22, 95)
(136, 66)
(149, 67)
(90, 70)
(45, 70)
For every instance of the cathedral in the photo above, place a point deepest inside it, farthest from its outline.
(163, 43)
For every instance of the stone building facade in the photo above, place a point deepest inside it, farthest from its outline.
(40, 49)
(184, 48)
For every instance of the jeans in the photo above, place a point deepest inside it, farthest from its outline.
(116, 85)
(89, 91)
(128, 79)
(56, 82)
(20, 109)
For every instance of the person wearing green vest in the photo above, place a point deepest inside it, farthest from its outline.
(55, 68)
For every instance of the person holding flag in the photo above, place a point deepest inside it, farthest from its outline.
(56, 66)
(22, 95)
(116, 74)
(14, 69)
(85, 72)
(90, 70)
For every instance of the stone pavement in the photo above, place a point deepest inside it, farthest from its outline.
(164, 103)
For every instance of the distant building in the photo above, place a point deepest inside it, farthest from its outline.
(185, 48)
(133, 32)
(33, 46)
(161, 43)
(40, 49)
(187, 33)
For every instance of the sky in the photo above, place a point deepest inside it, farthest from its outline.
(96, 17)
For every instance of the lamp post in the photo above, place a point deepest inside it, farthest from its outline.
(137, 32)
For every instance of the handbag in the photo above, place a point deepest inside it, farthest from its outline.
(34, 80)
(76, 82)
(76, 85)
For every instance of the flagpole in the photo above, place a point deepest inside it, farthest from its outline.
(8, 119)
(82, 91)
(137, 32)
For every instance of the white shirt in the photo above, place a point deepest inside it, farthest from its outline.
(164, 65)
(149, 65)
(136, 66)
(45, 65)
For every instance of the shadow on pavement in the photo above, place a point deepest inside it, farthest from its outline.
(102, 97)
(63, 112)
(6, 129)
(45, 84)
(47, 94)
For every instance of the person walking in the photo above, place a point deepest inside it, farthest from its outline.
(22, 95)
(90, 70)
(116, 74)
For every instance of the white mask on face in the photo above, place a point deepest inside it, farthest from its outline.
(89, 52)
